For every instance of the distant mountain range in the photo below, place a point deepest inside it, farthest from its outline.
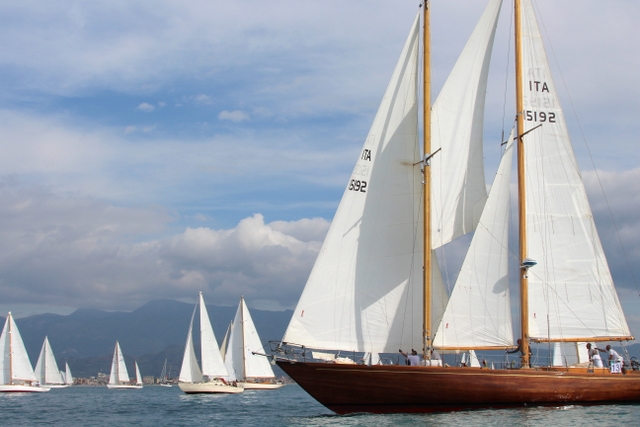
(149, 334)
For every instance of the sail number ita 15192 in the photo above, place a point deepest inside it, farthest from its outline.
(357, 185)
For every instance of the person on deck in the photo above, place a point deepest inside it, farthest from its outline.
(412, 359)
(594, 355)
(614, 356)
(519, 349)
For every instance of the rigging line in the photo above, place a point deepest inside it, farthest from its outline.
(595, 169)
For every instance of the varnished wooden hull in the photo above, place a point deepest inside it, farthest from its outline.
(384, 389)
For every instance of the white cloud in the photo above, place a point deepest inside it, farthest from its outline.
(234, 116)
(146, 107)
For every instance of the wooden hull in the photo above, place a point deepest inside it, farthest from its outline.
(385, 389)
(210, 387)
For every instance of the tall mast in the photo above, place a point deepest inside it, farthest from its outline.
(426, 335)
(9, 319)
(524, 287)
(244, 356)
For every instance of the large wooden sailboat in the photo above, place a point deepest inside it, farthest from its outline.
(376, 285)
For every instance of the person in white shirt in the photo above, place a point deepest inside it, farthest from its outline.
(594, 355)
(614, 356)
(412, 359)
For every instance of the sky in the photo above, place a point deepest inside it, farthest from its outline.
(155, 149)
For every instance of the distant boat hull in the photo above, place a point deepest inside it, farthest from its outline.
(262, 386)
(390, 389)
(19, 388)
(123, 387)
(56, 385)
(166, 385)
(210, 387)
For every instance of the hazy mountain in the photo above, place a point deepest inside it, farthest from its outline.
(151, 333)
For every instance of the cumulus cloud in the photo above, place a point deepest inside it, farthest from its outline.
(64, 250)
(234, 116)
(147, 108)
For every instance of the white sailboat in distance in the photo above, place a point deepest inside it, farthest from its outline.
(241, 360)
(16, 373)
(47, 371)
(212, 378)
(119, 377)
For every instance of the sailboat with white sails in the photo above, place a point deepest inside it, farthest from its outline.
(244, 354)
(16, 373)
(119, 376)
(47, 370)
(376, 285)
(213, 377)
(66, 375)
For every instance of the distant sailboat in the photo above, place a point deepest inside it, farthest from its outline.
(16, 373)
(164, 380)
(253, 370)
(47, 371)
(68, 378)
(119, 377)
(211, 379)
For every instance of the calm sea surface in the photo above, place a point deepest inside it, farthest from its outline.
(289, 406)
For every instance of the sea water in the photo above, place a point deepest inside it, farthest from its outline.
(288, 406)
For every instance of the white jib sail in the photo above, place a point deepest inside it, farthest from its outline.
(15, 364)
(368, 274)
(190, 371)
(571, 292)
(138, 376)
(46, 369)
(212, 363)
(68, 378)
(458, 191)
(479, 311)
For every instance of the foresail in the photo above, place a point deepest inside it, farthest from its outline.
(479, 311)
(571, 292)
(113, 374)
(212, 363)
(5, 348)
(256, 366)
(190, 371)
(458, 191)
(233, 356)
(364, 292)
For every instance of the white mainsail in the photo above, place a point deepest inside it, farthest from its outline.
(571, 292)
(14, 363)
(369, 264)
(118, 374)
(243, 341)
(458, 191)
(46, 369)
(479, 311)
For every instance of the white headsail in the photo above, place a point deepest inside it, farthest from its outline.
(190, 371)
(458, 191)
(479, 311)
